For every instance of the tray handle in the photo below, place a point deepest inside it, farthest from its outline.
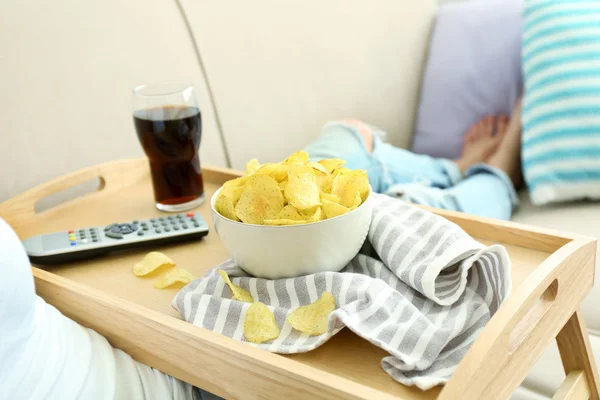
(537, 311)
(111, 176)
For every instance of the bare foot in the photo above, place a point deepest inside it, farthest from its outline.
(508, 155)
(481, 141)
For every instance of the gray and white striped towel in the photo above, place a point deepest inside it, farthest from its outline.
(421, 289)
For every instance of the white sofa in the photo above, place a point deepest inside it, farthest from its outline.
(277, 72)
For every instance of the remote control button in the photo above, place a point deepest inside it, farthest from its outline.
(146, 228)
(152, 219)
(114, 235)
(134, 227)
(196, 225)
(164, 223)
(167, 229)
(157, 231)
(176, 228)
(190, 214)
(184, 226)
(109, 227)
(170, 217)
(155, 225)
(173, 222)
(135, 221)
(141, 233)
(95, 240)
(73, 243)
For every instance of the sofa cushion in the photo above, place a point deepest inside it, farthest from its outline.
(473, 70)
(580, 217)
(67, 71)
(561, 115)
(279, 70)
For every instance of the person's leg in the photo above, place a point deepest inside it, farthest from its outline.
(487, 190)
(46, 355)
(361, 147)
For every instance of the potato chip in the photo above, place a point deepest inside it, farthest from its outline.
(312, 215)
(331, 164)
(324, 182)
(151, 262)
(225, 207)
(331, 197)
(302, 191)
(174, 276)
(339, 171)
(290, 212)
(332, 210)
(261, 199)
(298, 158)
(238, 293)
(275, 171)
(252, 166)
(314, 191)
(282, 186)
(260, 325)
(317, 167)
(237, 182)
(350, 184)
(313, 318)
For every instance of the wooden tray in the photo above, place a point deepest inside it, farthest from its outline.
(552, 272)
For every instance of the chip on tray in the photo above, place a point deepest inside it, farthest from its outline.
(174, 276)
(260, 325)
(313, 318)
(292, 192)
(151, 262)
(238, 293)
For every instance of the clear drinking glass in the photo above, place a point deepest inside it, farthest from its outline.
(169, 126)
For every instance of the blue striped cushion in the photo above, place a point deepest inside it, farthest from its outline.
(561, 108)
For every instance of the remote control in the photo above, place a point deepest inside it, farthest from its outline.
(78, 244)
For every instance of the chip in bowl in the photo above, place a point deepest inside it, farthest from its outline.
(292, 192)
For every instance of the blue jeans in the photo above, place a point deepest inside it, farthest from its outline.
(483, 190)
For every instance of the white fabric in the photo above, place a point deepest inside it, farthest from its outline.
(45, 355)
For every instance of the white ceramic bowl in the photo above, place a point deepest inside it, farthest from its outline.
(276, 252)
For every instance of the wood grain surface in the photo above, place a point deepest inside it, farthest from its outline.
(104, 294)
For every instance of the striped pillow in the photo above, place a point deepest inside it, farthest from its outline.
(561, 108)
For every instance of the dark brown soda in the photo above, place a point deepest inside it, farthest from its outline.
(170, 137)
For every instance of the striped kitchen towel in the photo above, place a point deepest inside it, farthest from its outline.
(421, 289)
